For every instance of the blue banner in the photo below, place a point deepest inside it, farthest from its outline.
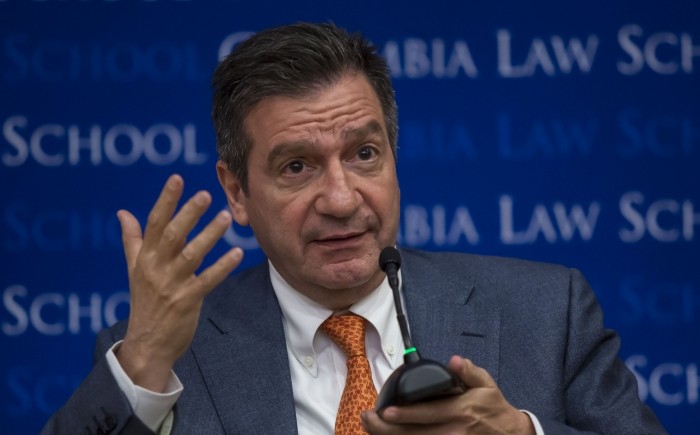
(566, 132)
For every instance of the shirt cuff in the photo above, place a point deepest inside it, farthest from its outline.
(150, 407)
(535, 422)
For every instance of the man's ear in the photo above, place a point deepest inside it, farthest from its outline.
(234, 193)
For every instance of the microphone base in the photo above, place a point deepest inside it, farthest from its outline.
(422, 381)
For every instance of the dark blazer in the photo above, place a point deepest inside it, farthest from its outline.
(536, 328)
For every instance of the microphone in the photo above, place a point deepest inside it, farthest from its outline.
(417, 380)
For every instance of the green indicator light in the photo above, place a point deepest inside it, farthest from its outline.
(409, 350)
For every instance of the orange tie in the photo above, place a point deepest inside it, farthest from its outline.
(348, 332)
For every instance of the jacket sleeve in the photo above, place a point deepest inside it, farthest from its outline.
(600, 392)
(98, 406)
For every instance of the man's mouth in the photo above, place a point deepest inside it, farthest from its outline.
(340, 240)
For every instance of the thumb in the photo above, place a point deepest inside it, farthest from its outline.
(469, 373)
(132, 236)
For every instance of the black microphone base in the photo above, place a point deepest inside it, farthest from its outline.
(421, 381)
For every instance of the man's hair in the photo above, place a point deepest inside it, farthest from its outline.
(291, 61)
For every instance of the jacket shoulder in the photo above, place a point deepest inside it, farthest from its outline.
(482, 266)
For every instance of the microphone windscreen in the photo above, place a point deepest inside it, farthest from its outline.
(389, 255)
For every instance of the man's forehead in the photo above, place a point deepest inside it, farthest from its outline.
(312, 91)
(343, 107)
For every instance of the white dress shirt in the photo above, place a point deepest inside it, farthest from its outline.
(316, 363)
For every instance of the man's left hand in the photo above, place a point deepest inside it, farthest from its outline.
(481, 409)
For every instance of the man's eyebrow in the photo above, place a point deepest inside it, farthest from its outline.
(356, 133)
(301, 146)
(284, 148)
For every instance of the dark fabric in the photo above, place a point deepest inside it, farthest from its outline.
(97, 407)
(537, 328)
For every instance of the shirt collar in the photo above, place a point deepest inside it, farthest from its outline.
(302, 317)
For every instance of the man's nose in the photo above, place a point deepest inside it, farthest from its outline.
(338, 195)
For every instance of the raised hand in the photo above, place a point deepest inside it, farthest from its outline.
(166, 294)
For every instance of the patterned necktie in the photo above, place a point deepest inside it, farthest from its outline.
(348, 332)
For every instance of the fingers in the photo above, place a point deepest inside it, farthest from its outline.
(132, 238)
(469, 373)
(175, 233)
(191, 256)
(482, 408)
(164, 238)
(428, 413)
(168, 236)
(374, 424)
(450, 409)
(163, 210)
(216, 273)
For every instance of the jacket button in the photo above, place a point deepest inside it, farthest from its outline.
(108, 424)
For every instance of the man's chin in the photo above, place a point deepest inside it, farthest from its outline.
(347, 275)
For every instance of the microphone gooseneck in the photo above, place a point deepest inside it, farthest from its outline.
(417, 380)
(390, 262)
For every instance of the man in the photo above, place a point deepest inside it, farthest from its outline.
(307, 129)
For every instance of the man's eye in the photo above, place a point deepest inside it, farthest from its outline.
(366, 153)
(295, 167)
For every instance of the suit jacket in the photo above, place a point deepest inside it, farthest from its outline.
(536, 328)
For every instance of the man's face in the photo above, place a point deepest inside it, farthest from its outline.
(323, 194)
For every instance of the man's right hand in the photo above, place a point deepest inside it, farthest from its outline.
(166, 295)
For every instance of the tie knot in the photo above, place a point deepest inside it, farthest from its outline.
(348, 332)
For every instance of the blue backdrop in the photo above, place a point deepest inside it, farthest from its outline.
(556, 131)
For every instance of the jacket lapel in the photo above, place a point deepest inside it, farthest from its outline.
(243, 359)
(444, 318)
